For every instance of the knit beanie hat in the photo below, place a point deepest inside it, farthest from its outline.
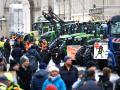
(66, 58)
(53, 68)
(23, 59)
(51, 87)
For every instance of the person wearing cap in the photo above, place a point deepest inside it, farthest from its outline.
(68, 72)
(24, 73)
(3, 83)
(44, 53)
(54, 79)
(16, 52)
(80, 80)
(9, 81)
(90, 83)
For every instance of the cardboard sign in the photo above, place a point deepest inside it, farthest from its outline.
(100, 50)
(72, 50)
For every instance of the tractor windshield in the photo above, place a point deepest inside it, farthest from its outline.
(42, 27)
(115, 28)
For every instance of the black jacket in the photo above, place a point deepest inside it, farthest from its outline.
(16, 53)
(45, 56)
(105, 83)
(69, 77)
(7, 49)
(24, 78)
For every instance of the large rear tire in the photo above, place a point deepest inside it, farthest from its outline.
(101, 63)
(79, 56)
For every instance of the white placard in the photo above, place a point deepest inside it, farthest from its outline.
(100, 50)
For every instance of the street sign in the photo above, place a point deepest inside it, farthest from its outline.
(100, 50)
(95, 11)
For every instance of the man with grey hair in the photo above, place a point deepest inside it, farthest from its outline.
(24, 73)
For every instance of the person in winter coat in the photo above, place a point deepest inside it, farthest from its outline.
(54, 79)
(24, 73)
(16, 52)
(7, 50)
(11, 85)
(90, 83)
(45, 56)
(34, 58)
(38, 78)
(104, 80)
(44, 53)
(83, 75)
(56, 56)
(1, 43)
(3, 85)
(68, 73)
(80, 81)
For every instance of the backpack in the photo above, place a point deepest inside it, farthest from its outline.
(105, 85)
(117, 85)
(33, 61)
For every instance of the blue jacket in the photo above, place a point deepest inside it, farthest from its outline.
(57, 81)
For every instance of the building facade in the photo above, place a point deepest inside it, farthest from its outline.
(78, 10)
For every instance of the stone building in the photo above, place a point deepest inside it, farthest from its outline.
(79, 10)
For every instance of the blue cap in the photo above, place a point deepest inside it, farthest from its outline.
(3, 78)
(66, 58)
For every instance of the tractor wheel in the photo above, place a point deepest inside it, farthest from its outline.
(79, 56)
(101, 63)
(88, 55)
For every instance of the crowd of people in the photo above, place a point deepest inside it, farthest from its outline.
(30, 62)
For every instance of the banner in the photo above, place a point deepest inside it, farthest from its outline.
(72, 50)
